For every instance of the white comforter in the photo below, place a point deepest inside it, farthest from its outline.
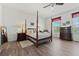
(40, 35)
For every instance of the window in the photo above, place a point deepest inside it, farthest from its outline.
(75, 19)
(56, 23)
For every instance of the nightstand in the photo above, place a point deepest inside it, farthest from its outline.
(21, 36)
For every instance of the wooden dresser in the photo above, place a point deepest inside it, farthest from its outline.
(4, 39)
(65, 33)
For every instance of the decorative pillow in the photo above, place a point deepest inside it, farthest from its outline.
(40, 31)
(45, 31)
(29, 32)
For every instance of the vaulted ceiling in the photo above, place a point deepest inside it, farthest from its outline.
(31, 8)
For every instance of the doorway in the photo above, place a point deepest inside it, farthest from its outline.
(56, 23)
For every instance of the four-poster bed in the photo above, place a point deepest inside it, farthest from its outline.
(38, 37)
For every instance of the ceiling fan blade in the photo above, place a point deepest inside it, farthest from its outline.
(47, 5)
(59, 3)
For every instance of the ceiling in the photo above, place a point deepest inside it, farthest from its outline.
(31, 8)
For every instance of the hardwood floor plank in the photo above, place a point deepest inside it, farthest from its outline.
(55, 48)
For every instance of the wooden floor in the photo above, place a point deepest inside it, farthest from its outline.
(56, 48)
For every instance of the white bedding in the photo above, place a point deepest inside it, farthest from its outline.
(40, 35)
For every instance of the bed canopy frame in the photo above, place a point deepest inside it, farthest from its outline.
(37, 39)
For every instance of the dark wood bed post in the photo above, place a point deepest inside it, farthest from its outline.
(51, 28)
(37, 30)
(25, 27)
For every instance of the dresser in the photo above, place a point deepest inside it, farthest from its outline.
(65, 33)
(3, 38)
(3, 34)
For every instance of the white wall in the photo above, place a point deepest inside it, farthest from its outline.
(48, 24)
(65, 16)
(0, 21)
(41, 22)
(13, 17)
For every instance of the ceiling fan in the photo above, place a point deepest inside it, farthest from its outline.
(53, 4)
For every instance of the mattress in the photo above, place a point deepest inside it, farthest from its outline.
(40, 35)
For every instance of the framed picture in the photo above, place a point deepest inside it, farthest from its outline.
(64, 24)
(67, 22)
(32, 24)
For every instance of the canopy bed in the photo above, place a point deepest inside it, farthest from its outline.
(39, 37)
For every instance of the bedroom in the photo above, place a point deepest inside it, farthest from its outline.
(13, 16)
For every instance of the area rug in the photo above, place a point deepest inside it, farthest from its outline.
(25, 43)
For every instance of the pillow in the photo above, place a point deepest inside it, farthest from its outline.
(40, 31)
(29, 32)
(45, 31)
